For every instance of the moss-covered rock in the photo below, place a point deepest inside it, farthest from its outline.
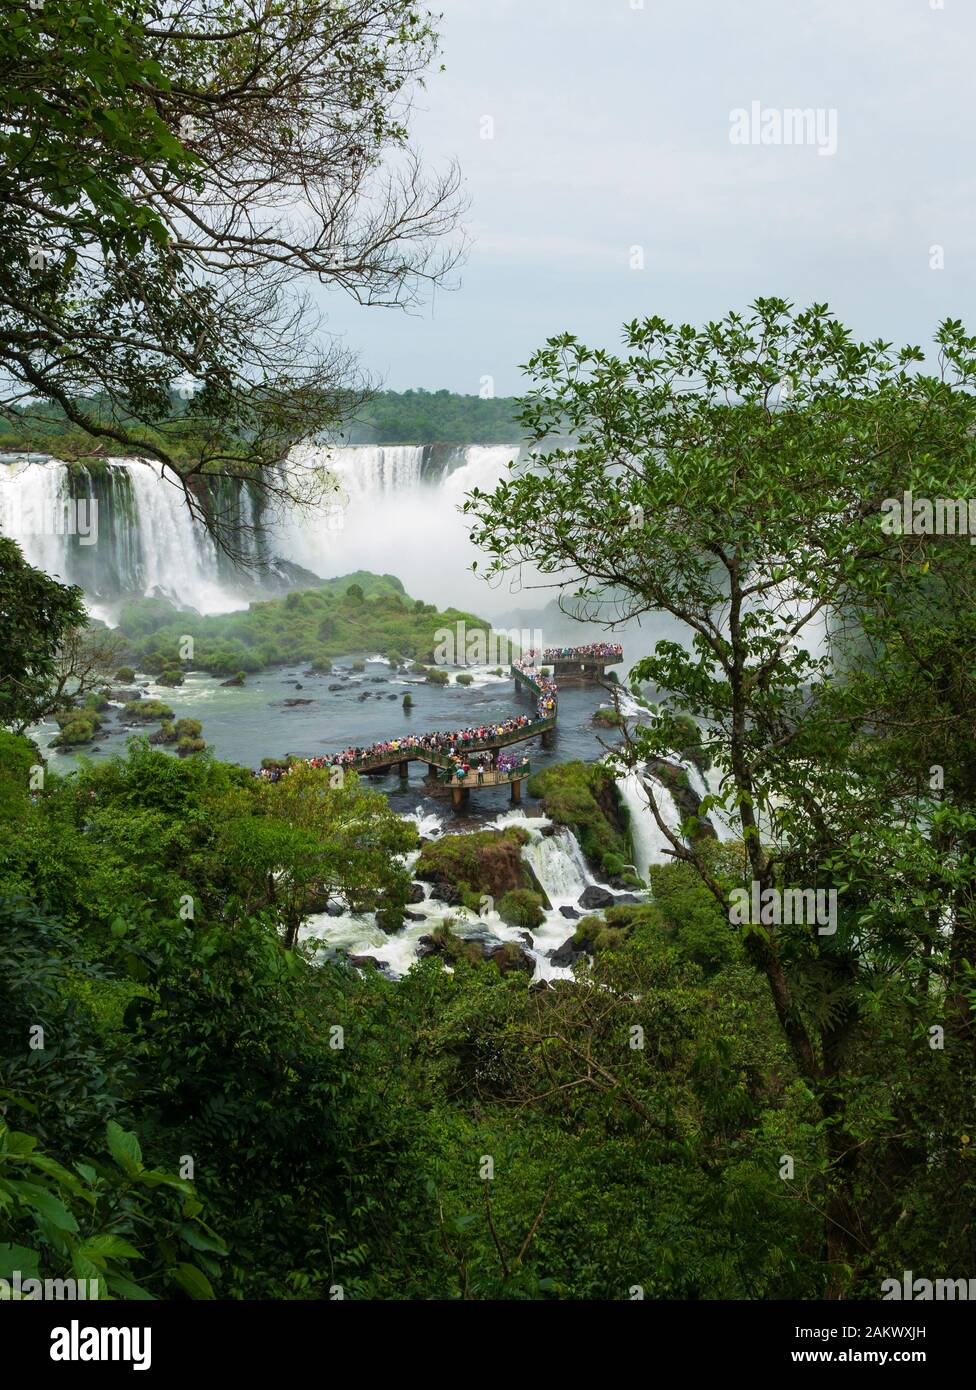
(607, 717)
(463, 868)
(585, 797)
(171, 677)
(146, 711)
(75, 731)
(522, 908)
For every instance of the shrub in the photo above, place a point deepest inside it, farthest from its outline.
(188, 728)
(190, 745)
(77, 731)
(125, 673)
(522, 908)
(435, 676)
(171, 677)
(146, 711)
(463, 678)
(358, 666)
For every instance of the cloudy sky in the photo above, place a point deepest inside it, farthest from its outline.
(612, 130)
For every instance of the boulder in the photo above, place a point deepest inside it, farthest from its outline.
(509, 956)
(570, 913)
(415, 893)
(122, 697)
(567, 954)
(234, 680)
(290, 704)
(335, 686)
(334, 909)
(368, 962)
(592, 897)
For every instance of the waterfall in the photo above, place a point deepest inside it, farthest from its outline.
(396, 509)
(651, 846)
(34, 503)
(179, 560)
(557, 862)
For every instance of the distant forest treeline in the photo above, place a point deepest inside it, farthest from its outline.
(390, 417)
(435, 417)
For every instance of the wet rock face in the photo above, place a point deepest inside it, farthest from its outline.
(567, 954)
(592, 896)
(570, 913)
(686, 799)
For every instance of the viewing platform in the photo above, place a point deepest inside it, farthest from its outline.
(446, 755)
(575, 666)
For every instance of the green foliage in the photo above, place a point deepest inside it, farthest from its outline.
(521, 907)
(38, 613)
(433, 417)
(171, 677)
(314, 626)
(146, 711)
(584, 796)
(135, 1231)
(462, 678)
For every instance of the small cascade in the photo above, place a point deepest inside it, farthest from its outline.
(651, 845)
(557, 862)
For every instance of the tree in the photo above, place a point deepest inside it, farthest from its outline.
(38, 619)
(305, 840)
(733, 477)
(169, 175)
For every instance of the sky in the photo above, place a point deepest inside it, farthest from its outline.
(638, 164)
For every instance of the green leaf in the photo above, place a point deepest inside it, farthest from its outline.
(111, 1247)
(126, 1289)
(45, 1203)
(192, 1281)
(200, 1240)
(124, 1148)
(14, 1257)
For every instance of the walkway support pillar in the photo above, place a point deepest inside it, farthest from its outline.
(547, 738)
(516, 793)
(404, 770)
(457, 797)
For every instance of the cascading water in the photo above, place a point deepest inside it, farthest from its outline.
(141, 538)
(651, 845)
(396, 509)
(554, 856)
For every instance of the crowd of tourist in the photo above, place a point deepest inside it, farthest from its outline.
(595, 651)
(458, 742)
(451, 744)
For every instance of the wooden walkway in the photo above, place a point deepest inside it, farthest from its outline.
(440, 761)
